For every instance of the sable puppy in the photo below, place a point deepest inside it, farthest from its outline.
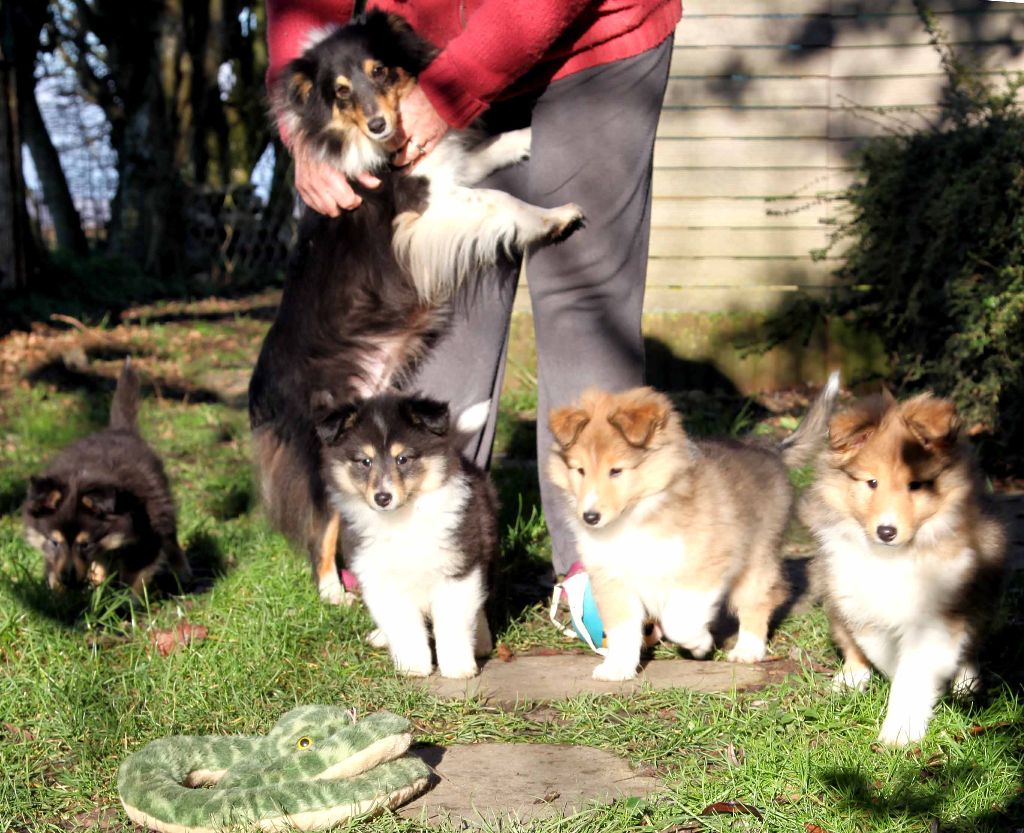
(103, 507)
(420, 523)
(670, 528)
(912, 553)
(369, 292)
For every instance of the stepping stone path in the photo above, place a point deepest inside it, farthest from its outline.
(545, 678)
(482, 782)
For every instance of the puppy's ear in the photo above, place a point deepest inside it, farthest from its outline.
(100, 501)
(640, 420)
(850, 430)
(427, 413)
(45, 495)
(566, 424)
(932, 421)
(396, 44)
(297, 81)
(333, 424)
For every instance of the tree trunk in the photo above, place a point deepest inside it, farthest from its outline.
(14, 236)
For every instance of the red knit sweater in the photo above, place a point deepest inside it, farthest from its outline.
(492, 49)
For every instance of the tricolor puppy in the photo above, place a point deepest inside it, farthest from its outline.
(369, 292)
(670, 528)
(420, 525)
(911, 553)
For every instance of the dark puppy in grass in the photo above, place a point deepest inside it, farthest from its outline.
(103, 507)
(420, 526)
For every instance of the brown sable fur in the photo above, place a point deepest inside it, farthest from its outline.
(912, 552)
(668, 527)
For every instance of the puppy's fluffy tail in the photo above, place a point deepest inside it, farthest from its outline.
(124, 410)
(802, 445)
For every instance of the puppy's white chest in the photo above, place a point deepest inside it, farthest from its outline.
(892, 589)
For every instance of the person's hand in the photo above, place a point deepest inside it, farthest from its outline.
(422, 127)
(323, 187)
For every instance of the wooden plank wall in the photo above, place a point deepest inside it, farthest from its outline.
(766, 103)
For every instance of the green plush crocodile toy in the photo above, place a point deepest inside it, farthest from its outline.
(317, 767)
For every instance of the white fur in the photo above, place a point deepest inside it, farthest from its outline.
(403, 563)
(332, 591)
(649, 575)
(473, 418)
(894, 598)
(463, 228)
(749, 647)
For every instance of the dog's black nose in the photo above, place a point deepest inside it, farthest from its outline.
(377, 124)
(591, 518)
(886, 533)
(382, 499)
(69, 577)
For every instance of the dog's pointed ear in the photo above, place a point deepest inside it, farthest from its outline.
(100, 501)
(849, 430)
(638, 421)
(297, 80)
(566, 423)
(396, 43)
(45, 494)
(426, 413)
(933, 422)
(333, 423)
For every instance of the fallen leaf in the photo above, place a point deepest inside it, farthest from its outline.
(731, 807)
(18, 733)
(504, 652)
(168, 640)
(810, 827)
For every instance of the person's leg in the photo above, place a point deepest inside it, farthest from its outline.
(593, 139)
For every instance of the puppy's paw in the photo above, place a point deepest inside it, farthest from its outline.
(561, 222)
(614, 672)
(748, 648)
(901, 730)
(377, 639)
(517, 143)
(459, 671)
(414, 668)
(851, 678)
(332, 592)
(966, 683)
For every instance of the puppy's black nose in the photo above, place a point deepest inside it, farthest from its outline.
(382, 499)
(886, 533)
(68, 577)
(591, 518)
(377, 124)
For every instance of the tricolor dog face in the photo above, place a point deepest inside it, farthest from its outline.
(387, 449)
(342, 95)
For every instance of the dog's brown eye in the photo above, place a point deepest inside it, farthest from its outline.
(581, 471)
(365, 462)
(342, 92)
(401, 459)
(872, 484)
(614, 472)
(914, 485)
(378, 72)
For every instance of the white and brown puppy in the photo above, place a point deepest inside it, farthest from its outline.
(420, 526)
(669, 528)
(911, 553)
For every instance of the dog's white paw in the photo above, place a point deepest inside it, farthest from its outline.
(851, 678)
(415, 668)
(903, 729)
(332, 591)
(614, 672)
(561, 222)
(518, 143)
(966, 683)
(459, 671)
(748, 648)
(377, 639)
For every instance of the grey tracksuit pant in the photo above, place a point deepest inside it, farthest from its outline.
(593, 138)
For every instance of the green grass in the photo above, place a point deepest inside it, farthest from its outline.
(79, 689)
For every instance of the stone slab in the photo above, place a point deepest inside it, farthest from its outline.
(478, 783)
(544, 678)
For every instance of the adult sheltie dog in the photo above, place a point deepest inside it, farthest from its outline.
(369, 292)
(670, 528)
(911, 553)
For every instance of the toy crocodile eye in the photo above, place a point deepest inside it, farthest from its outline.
(304, 742)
